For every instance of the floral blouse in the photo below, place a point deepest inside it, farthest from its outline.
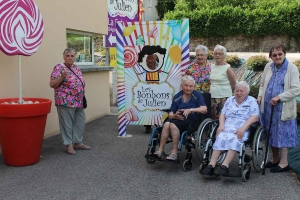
(201, 76)
(71, 91)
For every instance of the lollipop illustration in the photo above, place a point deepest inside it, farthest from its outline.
(153, 32)
(21, 30)
(131, 116)
(130, 56)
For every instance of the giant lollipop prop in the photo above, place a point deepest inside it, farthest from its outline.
(21, 30)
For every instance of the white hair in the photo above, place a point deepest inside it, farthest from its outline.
(243, 84)
(221, 48)
(202, 47)
(69, 50)
(187, 78)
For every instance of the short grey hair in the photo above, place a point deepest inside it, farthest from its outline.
(202, 47)
(243, 84)
(221, 48)
(187, 78)
(67, 50)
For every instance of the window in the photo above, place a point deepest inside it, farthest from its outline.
(82, 43)
(89, 49)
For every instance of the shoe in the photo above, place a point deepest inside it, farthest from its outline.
(82, 147)
(224, 170)
(270, 164)
(172, 157)
(279, 169)
(148, 129)
(208, 170)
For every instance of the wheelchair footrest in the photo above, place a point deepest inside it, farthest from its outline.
(232, 175)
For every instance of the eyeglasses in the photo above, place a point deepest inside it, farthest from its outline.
(218, 54)
(201, 55)
(275, 55)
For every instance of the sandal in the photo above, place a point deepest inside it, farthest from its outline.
(70, 151)
(158, 154)
(82, 147)
(172, 157)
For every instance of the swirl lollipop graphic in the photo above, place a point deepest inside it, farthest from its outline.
(130, 56)
(21, 29)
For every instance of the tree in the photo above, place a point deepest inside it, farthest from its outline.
(163, 6)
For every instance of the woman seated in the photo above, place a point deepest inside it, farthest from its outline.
(184, 107)
(238, 113)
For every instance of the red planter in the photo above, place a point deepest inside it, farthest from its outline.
(22, 129)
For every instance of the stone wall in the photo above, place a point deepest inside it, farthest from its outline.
(246, 44)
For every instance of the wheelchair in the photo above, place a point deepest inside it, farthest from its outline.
(188, 138)
(257, 142)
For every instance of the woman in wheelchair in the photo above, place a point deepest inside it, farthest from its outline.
(184, 107)
(238, 113)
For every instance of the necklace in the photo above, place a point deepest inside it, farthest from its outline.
(185, 99)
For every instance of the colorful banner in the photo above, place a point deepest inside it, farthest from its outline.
(119, 11)
(151, 59)
(113, 57)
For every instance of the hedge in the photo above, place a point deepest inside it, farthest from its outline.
(284, 19)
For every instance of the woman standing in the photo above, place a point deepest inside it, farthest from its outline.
(279, 87)
(200, 69)
(222, 80)
(68, 84)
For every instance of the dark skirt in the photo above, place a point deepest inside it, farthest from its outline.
(182, 125)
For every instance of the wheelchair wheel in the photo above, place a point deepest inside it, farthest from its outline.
(187, 165)
(259, 148)
(204, 132)
(246, 175)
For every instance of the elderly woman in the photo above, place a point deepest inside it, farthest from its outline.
(68, 84)
(222, 80)
(184, 107)
(238, 113)
(279, 87)
(200, 69)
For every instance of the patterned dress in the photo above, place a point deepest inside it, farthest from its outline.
(200, 75)
(71, 91)
(235, 117)
(283, 133)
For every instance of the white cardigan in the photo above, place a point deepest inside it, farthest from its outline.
(291, 90)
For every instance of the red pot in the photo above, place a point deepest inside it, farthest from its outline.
(22, 129)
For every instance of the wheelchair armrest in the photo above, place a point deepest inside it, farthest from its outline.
(166, 110)
(255, 125)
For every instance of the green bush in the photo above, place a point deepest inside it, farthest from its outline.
(233, 60)
(256, 63)
(231, 20)
(297, 63)
(210, 55)
(254, 89)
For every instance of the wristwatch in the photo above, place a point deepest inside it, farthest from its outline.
(191, 110)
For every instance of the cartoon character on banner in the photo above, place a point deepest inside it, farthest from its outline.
(151, 59)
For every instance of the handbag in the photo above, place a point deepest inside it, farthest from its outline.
(84, 101)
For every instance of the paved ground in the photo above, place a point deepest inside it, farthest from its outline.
(115, 168)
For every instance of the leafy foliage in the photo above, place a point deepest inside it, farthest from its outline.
(163, 6)
(233, 60)
(254, 89)
(216, 18)
(256, 63)
(297, 63)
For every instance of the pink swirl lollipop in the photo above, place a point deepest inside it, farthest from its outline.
(130, 56)
(21, 27)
